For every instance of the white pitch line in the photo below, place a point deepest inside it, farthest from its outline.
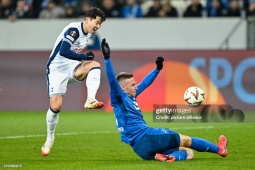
(57, 134)
(194, 127)
(94, 132)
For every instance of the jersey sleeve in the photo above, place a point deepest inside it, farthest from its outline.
(70, 36)
(115, 89)
(147, 81)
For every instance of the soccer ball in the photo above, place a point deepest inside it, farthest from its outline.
(194, 96)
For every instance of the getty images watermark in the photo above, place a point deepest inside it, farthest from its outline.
(204, 113)
(11, 165)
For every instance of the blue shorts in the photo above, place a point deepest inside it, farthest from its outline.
(157, 140)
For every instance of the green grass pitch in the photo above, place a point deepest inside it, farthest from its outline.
(89, 140)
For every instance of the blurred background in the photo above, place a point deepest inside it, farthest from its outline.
(206, 43)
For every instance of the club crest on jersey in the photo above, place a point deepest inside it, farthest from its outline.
(73, 33)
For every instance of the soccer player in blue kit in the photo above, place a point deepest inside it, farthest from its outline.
(68, 64)
(159, 144)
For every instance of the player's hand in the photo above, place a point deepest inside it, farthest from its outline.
(105, 49)
(90, 55)
(159, 62)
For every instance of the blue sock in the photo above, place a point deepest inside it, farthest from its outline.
(169, 151)
(202, 145)
(179, 155)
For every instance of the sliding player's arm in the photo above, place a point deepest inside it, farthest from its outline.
(70, 36)
(114, 85)
(115, 89)
(146, 82)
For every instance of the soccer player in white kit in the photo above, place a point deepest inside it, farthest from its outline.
(68, 64)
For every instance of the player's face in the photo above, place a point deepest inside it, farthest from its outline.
(92, 25)
(129, 86)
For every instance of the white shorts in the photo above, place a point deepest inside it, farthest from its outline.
(59, 75)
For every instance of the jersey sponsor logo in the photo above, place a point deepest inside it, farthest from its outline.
(73, 33)
(78, 51)
(136, 105)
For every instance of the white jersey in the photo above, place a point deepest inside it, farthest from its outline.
(60, 69)
(75, 36)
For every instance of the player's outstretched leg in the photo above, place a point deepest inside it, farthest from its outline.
(223, 146)
(203, 145)
(93, 82)
(90, 70)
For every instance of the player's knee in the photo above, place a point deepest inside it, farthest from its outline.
(88, 65)
(82, 72)
(185, 141)
(95, 64)
(56, 103)
(56, 107)
(190, 154)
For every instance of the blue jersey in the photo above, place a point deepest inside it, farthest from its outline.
(128, 116)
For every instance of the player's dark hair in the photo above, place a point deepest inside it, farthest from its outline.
(123, 75)
(93, 12)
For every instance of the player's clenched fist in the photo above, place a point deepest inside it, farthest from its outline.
(105, 49)
(159, 62)
(90, 55)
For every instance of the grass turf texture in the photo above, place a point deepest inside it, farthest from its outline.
(90, 141)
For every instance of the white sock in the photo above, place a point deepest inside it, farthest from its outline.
(52, 121)
(93, 82)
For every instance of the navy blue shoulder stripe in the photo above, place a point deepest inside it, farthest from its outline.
(72, 34)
